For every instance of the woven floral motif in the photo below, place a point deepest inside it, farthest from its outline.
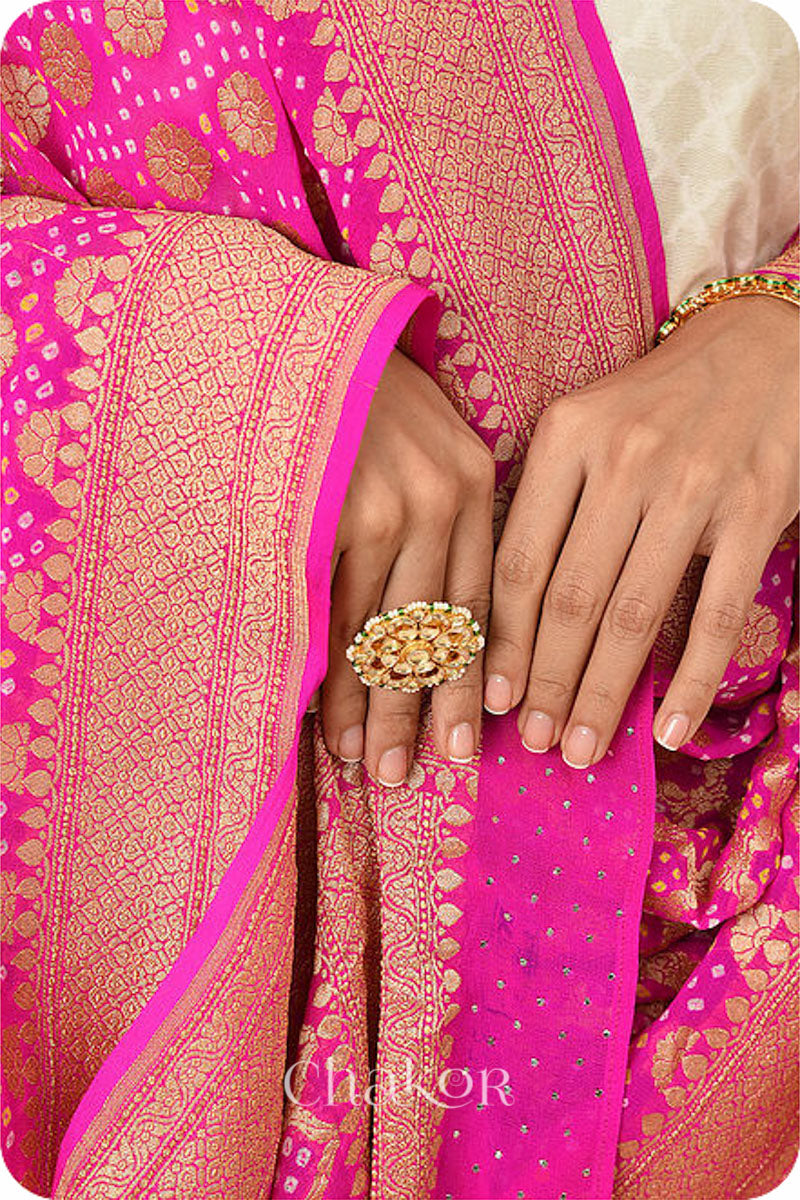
(26, 100)
(178, 162)
(138, 25)
(246, 114)
(66, 64)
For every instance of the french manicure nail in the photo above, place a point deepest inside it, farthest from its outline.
(538, 733)
(393, 767)
(351, 744)
(461, 743)
(497, 694)
(675, 732)
(579, 747)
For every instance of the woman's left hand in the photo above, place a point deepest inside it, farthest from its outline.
(689, 450)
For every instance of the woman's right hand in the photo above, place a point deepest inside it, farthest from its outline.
(416, 524)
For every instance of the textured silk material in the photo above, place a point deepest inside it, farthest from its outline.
(221, 219)
(714, 92)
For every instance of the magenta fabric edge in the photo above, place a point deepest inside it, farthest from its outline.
(365, 377)
(617, 1062)
(789, 241)
(372, 360)
(594, 36)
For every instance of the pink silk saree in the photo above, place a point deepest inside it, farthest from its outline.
(233, 966)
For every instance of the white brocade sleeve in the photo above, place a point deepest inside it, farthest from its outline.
(713, 87)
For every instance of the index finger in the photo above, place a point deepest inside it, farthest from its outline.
(537, 524)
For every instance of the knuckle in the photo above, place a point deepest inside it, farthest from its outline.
(632, 618)
(436, 493)
(548, 423)
(600, 697)
(478, 604)
(435, 523)
(505, 653)
(722, 621)
(478, 465)
(696, 482)
(700, 688)
(381, 522)
(542, 688)
(461, 693)
(560, 418)
(749, 500)
(438, 489)
(395, 727)
(752, 489)
(517, 565)
(635, 442)
(571, 602)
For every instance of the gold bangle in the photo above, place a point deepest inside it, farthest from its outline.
(420, 645)
(726, 289)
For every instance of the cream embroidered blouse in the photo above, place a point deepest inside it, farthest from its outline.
(713, 85)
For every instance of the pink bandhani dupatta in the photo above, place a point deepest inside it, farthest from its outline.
(504, 979)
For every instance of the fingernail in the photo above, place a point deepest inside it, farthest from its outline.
(539, 732)
(393, 767)
(461, 743)
(497, 694)
(351, 744)
(675, 732)
(579, 747)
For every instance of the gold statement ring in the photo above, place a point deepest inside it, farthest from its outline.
(420, 645)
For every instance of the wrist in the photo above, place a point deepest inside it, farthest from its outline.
(721, 292)
(766, 324)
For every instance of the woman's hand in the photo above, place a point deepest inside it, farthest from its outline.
(692, 449)
(416, 525)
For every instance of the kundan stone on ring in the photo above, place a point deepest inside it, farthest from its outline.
(420, 645)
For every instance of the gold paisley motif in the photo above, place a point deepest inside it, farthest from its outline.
(386, 255)
(331, 134)
(685, 806)
(670, 1054)
(13, 1060)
